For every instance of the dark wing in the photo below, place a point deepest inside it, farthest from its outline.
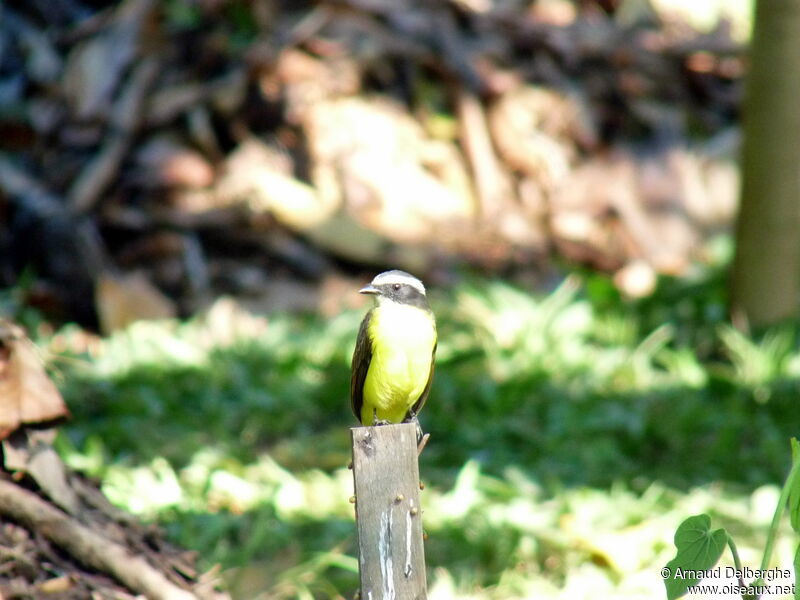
(424, 396)
(362, 356)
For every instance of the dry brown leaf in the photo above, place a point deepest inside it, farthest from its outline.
(305, 80)
(260, 175)
(536, 130)
(31, 451)
(164, 161)
(27, 395)
(375, 156)
(56, 585)
(123, 299)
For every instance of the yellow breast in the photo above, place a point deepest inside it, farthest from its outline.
(402, 339)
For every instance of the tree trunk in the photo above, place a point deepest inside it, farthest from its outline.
(765, 283)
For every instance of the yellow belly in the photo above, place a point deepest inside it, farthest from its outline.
(402, 338)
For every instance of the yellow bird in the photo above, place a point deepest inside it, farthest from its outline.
(392, 364)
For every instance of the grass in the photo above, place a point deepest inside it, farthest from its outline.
(571, 434)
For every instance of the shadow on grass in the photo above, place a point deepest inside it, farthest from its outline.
(245, 402)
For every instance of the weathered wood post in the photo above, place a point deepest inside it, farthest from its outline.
(391, 558)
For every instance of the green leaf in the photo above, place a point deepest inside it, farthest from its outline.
(699, 549)
(794, 486)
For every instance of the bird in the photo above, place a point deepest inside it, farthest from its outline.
(393, 360)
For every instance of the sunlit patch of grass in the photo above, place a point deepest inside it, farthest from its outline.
(758, 364)
(521, 335)
(570, 436)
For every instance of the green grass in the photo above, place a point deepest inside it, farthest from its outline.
(571, 434)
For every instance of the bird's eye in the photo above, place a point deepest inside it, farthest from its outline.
(396, 287)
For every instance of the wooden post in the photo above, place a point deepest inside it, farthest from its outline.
(391, 558)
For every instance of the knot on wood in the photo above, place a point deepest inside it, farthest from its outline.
(368, 446)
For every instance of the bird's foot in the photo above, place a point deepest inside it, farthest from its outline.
(422, 438)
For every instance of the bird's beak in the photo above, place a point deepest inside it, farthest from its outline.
(368, 289)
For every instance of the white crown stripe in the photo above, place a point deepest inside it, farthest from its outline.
(392, 277)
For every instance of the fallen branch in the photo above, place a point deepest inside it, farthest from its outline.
(84, 544)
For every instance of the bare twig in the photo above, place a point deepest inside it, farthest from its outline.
(22, 187)
(125, 121)
(491, 182)
(170, 102)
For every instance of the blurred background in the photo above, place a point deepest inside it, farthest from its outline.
(192, 192)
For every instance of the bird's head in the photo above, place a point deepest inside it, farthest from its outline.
(397, 287)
